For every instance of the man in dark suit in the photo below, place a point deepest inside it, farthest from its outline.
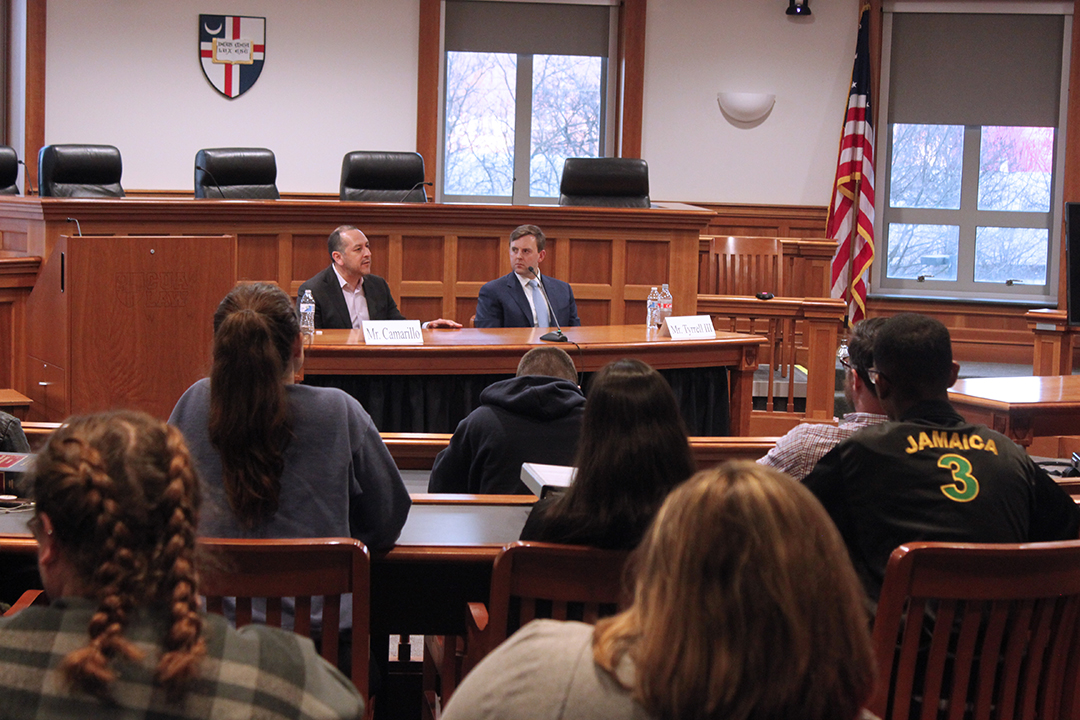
(346, 293)
(515, 300)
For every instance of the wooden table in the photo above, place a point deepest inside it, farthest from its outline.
(1021, 407)
(14, 403)
(492, 351)
(442, 560)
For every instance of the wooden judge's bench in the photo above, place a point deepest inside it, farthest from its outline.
(120, 311)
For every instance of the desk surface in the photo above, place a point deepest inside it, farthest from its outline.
(481, 351)
(1022, 408)
(1050, 392)
(433, 532)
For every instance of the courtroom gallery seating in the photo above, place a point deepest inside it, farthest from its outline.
(299, 569)
(605, 182)
(979, 631)
(529, 580)
(9, 170)
(236, 173)
(80, 171)
(372, 176)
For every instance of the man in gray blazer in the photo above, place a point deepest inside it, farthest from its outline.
(346, 293)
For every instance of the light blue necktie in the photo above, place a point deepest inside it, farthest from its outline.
(540, 305)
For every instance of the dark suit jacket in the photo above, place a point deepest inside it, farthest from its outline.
(330, 309)
(502, 303)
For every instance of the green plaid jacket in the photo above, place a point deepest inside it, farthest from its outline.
(256, 672)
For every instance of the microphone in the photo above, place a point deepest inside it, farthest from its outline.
(77, 226)
(410, 191)
(556, 336)
(213, 179)
(26, 176)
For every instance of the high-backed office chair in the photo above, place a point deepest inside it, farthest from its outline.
(9, 170)
(605, 182)
(236, 173)
(529, 580)
(299, 569)
(77, 171)
(979, 631)
(371, 176)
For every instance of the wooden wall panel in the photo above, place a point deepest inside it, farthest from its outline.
(590, 262)
(594, 312)
(425, 257)
(422, 309)
(980, 333)
(806, 221)
(257, 257)
(479, 259)
(647, 263)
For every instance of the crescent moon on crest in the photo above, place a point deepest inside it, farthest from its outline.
(212, 32)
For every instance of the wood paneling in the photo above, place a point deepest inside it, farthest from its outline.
(124, 321)
(36, 13)
(423, 251)
(258, 255)
(769, 220)
(427, 85)
(980, 332)
(632, 70)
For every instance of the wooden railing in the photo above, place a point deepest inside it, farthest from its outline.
(801, 331)
(417, 451)
(1053, 342)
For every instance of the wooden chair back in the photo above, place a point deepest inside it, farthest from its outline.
(301, 569)
(740, 265)
(978, 631)
(543, 580)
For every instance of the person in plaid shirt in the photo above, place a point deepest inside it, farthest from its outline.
(117, 505)
(798, 451)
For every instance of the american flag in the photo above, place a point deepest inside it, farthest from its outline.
(851, 213)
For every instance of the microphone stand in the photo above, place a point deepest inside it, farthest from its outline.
(558, 335)
(213, 179)
(409, 192)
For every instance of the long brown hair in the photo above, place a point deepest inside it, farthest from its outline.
(633, 451)
(255, 327)
(746, 606)
(121, 492)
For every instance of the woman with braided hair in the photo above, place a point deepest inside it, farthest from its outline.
(117, 503)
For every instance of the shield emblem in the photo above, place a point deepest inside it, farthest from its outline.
(232, 50)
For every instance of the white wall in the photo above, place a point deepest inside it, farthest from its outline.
(340, 75)
(697, 48)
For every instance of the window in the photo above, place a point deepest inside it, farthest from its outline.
(972, 155)
(522, 94)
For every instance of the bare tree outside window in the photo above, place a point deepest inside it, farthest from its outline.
(480, 101)
(927, 166)
(566, 117)
(483, 142)
(937, 230)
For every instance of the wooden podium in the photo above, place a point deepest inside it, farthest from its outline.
(123, 321)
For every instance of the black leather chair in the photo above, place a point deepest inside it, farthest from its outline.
(9, 170)
(371, 176)
(76, 171)
(236, 173)
(605, 182)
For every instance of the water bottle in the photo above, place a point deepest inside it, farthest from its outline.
(664, 310)
(652, 308)
(307, 314)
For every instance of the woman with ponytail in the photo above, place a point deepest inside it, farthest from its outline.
(280, 459)
(117, 503)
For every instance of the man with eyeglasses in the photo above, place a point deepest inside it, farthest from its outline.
(798, 451)
(928, 474)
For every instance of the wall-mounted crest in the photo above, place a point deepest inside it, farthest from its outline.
(232, 50)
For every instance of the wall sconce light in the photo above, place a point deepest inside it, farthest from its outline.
(798, 7)
(746, 107)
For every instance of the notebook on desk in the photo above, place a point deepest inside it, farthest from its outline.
(543, 480)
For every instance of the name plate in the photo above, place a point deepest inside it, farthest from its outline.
(393, 332)
(688, 327)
